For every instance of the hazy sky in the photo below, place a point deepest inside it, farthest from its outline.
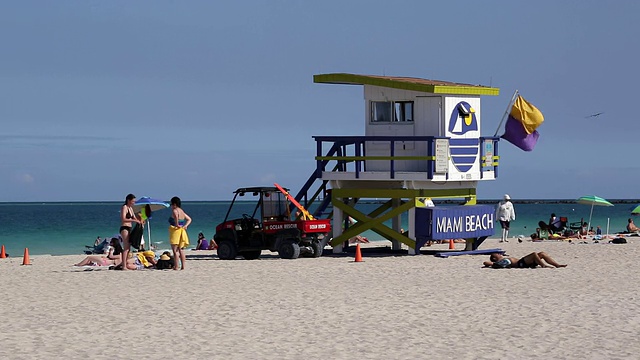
(197, 98)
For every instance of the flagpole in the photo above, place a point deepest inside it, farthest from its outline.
(513, 98)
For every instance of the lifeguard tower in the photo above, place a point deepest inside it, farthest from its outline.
(421, 140)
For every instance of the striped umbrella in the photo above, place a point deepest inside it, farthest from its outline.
(593, 201)
(148, 205)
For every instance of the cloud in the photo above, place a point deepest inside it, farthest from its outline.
(4, 138)
(268, 178)
(25, 178)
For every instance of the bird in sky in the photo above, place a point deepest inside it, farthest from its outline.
(593, 115)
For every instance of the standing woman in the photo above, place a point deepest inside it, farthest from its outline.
(178, 238)
(127, 218)
(505, 213)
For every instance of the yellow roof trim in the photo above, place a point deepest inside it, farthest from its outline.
(407, 83)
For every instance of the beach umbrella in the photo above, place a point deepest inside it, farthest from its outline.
(147, 206)
(635, 210)
(593, 201)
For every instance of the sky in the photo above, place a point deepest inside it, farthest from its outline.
(99, 99)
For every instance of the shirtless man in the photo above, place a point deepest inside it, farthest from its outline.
(532, 260)
(631, 227)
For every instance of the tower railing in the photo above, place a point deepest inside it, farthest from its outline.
(349, 153)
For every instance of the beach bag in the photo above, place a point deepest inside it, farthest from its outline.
(135, 238)
(619, 240)
(165, 262)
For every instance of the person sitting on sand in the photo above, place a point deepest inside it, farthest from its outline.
(555, 224)
(533, 260)
(212, 244)
(203, 243)
(631, 227)
(582, 233)
(584, 230)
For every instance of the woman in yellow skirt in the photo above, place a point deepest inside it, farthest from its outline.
(178, 238)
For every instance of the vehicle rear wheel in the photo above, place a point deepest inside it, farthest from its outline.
(318, 247)
(251, 255)
(227, 250)
(289, 249)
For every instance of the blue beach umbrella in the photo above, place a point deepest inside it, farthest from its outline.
(593, 201)
(147, 206)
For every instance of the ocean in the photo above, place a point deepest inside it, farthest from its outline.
(66, 228)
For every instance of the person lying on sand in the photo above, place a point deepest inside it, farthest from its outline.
(140, 260)
(95, 260)
(358, 239)
(499, 261)
(112, 257)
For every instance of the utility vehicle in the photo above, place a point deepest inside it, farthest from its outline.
(270, 226)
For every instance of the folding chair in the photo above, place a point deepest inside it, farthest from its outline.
(576, 226)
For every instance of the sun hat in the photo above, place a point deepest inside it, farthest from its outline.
(507, 197)
(165, 257)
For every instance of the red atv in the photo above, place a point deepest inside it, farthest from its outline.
(269, 227)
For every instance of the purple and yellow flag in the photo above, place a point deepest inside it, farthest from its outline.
(520, 129)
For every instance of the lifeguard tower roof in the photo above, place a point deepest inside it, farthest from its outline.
(407, 83)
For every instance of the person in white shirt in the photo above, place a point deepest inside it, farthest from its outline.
(505, 213)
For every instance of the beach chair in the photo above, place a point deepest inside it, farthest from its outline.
(97, 249)
(576, 226)
(563, 224)
(558, 225)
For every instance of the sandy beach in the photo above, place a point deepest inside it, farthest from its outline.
(399, 307)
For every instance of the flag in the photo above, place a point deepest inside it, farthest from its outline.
(515, 133)
(522, 123)
(527, 114)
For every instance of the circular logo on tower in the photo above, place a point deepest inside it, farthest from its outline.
(464, 151)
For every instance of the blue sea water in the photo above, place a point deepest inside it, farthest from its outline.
(65, 228)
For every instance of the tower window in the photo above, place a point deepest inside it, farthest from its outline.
(391, 111)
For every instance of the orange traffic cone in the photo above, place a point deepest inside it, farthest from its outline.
(358, 254)
(25, 259)
(3, 254)
(452, 245)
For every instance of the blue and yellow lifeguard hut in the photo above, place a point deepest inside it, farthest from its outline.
(421, 140)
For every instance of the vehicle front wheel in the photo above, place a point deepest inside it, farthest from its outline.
(289, 249)
(227, 250)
